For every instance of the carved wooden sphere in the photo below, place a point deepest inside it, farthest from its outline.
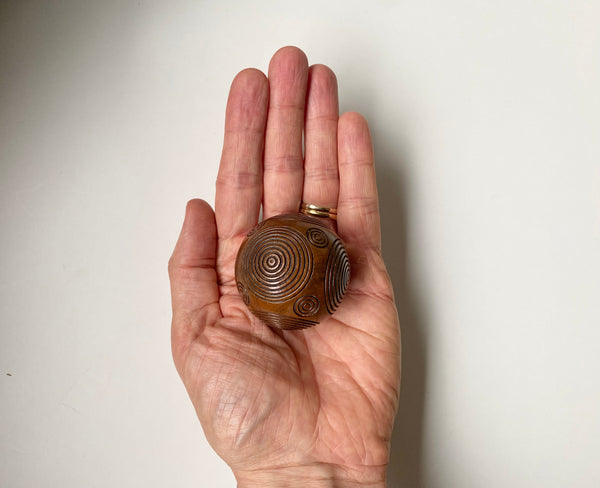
(292, 271)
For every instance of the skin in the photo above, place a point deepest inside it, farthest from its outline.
(288, 408)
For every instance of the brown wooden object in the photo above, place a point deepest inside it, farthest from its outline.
(292, 271)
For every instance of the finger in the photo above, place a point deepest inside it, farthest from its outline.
(321, 179)
(239, 181)
(283, 173)
(358, 209)
(194, 291)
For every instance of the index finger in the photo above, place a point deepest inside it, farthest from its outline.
(239, 181)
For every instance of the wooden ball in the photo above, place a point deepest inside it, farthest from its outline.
(292, 271)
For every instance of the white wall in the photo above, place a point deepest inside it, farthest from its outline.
(486, 120)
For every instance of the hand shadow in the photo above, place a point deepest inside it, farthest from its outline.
(404, 470)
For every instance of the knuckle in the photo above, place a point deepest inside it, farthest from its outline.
(320, 174)
(366, 205)
(239, 180)
(285, 164)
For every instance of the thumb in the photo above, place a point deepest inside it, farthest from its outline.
(194, 290)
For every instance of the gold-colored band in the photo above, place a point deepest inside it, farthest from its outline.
(316, 211)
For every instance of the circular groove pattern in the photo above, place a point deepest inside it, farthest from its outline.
(277, 263)
(337, 276)
(282, 321)
(317, 237)
(243, 293)
(311, 220)
(306, 306)
(256, 229)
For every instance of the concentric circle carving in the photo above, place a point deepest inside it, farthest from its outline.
(306, 306)
(310, 220)
(282, 321)
(243, 293)
(277, 263)
(256, 229)
(337, 276)
(317, 237)
(292, 271)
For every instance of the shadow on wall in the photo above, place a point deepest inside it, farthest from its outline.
(404, 470)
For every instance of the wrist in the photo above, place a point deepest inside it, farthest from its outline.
(313, 476)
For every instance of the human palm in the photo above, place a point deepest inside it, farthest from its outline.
(315, 405)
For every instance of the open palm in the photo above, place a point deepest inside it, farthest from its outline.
(316, 404)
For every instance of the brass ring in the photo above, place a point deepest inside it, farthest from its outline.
(316, 211)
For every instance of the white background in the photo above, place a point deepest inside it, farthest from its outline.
(486, 122)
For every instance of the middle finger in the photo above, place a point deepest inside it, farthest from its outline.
(283, 163)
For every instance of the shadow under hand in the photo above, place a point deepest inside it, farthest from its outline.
(404, 470)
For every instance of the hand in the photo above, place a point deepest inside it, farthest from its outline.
(288, 408)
